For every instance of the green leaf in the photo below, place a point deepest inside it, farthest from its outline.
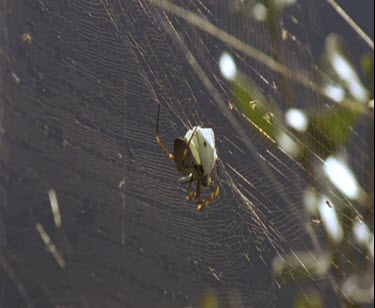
(252, 107)
(330, 129)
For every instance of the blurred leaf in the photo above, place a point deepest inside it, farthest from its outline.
(340, 69)
(367, 64)
(209, 300)
(330, 129)
(360, 288)
(253, 107)
(277, 4)
(301, 265)
(310, 299)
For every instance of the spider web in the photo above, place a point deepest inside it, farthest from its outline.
(82, 83)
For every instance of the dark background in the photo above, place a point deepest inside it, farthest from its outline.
(64, 119)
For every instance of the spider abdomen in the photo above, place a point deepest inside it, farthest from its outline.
(202, 147)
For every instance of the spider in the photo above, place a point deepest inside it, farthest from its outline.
(195, 157)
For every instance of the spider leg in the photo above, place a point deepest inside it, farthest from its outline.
(205, 202)
(214, 193)
(189, 196)
(158, 140)
(198, 193)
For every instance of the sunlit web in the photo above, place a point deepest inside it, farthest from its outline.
(286, 227)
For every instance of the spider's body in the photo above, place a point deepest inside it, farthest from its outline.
(200, 157)
(195, 157)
